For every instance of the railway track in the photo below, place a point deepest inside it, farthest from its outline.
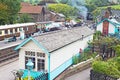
(7, 55)
(7, 58)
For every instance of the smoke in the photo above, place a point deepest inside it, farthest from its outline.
(79, 4)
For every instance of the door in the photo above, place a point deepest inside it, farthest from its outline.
(105, 27)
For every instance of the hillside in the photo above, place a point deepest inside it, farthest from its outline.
(97, 11)
(114, 7)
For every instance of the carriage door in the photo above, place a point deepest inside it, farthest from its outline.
(105, 27)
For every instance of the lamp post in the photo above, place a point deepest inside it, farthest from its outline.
(29, 67)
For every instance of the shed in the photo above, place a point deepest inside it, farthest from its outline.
(52, 52)
(108, 26)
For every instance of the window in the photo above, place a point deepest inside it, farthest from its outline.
(29, 53)
(27, 28)
(6, 31)
(0, 32)
(41, 64)
(11, 31)
(32, 59)
(15, 29)
(40, 54)
(20, 29)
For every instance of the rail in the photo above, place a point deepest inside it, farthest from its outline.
(8, 57)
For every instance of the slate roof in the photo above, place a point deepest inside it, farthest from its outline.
(115, 14)
(55, 40)
(16, 25)
(112, 21)
(28, 8)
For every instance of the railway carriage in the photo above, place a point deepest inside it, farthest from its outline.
(7, 31)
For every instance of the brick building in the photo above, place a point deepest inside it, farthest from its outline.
(36, 12)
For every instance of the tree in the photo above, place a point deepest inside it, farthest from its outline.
(64, 1)
(62, 8)
(25, 18)
(92, 4)
(117, 50)
(3, 14)
(13, 7)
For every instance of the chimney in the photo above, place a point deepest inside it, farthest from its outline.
(109, 9)
(107, 14)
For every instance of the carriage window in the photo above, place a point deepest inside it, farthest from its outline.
(15, 29)
(0, 32)
(20, 29)
(11, 31)
(6, 31)
(24, 28)
(27, 28)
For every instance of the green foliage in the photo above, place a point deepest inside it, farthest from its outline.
(118, 63)
(97, 11)
(13, 7)
(96, 35)
(34, 2)
(114, 7)
(109, 68)
(117, 50)
(75, 59)
(3, 14)
(92, 4)
(25, 18)
(64, 1)
(62, 8)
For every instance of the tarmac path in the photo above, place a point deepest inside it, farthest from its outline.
(83, 75)
(5, 71)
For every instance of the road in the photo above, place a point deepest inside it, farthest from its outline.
(83, 75)
(5, 71)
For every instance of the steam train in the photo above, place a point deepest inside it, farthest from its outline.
(89, 16)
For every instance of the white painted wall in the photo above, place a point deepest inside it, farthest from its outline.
(62, 55)
(100, 27)
(111, 28)
(30, 46)
(57, 57)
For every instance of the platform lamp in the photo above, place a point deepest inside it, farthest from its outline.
(29, 67)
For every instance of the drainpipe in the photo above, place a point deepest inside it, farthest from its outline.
(48, 66)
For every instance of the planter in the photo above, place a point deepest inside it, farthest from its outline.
(99, 76)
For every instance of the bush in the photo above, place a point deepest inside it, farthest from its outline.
(75, 59)
(118, 62)
(109, 68)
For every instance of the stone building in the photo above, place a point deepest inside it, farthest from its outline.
(36, 12)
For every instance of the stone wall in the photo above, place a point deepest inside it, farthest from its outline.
(75, 69)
